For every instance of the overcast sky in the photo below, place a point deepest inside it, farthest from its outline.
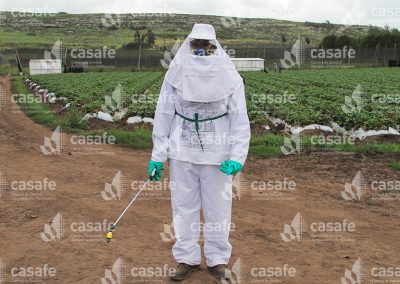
(374, 12)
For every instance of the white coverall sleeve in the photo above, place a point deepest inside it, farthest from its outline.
(239, 126)
(163, 119)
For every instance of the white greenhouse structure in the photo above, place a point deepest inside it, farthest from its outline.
(44, 66)
(248, 64)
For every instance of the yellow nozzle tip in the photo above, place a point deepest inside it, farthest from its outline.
(109, 235)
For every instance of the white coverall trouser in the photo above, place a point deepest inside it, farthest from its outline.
(193, 187)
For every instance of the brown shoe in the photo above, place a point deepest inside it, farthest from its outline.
(220, 271)
(183, 271)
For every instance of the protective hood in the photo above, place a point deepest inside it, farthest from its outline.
(202, 78)
(203, 31)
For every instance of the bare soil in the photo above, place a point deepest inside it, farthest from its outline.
(259, 216)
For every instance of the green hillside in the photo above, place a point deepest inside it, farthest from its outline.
(86, 30)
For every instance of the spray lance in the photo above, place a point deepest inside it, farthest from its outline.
(114, 225)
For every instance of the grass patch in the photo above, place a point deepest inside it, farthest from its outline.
(266, 145)
(270, 145)
(4, 69)
(15, 70)
(39, 112)
(137, 139)
(395, 165)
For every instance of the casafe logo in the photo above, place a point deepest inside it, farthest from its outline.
(54, 231)
(351, 15)
(168, 234)
(353, 190)
(236, 275)
(344, 53)
(291, 145)
(228, 22)
(318, 230)
(111, 20)
(2, 97)
(234, 190)
(26, 274)
(115, 275)
(355, 275)
(58, 51)
(2, 271)
(54, 144)
(113, 102)
(3, 17)
(295, 57)
(3, 184)
(168, 55)
(295, 230)
(114, 190)
(353, 104)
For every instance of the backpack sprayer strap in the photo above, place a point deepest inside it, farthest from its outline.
(196, 121)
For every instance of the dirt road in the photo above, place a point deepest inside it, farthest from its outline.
(307, 184)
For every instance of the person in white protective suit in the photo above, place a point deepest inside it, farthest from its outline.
(201, 125)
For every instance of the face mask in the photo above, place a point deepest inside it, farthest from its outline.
(202, 47)
(200, 52)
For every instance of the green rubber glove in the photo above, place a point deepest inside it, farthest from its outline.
(155, 165)
(230, 167)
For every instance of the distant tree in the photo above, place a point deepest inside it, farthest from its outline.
(329, 41)
(113, 27)
(328, 25)
(151, 38)
(308, 41)
(137, 37)
(377, 36)
(370, 40)
(372, 29)
(342, 41)
(138, 40)
(283, 39)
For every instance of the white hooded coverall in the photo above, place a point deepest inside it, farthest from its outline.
(206, 87)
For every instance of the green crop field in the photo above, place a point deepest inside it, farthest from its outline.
(88, 90)
(370, 96)
(320, 96)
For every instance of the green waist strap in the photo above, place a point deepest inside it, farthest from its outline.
(196, 121)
